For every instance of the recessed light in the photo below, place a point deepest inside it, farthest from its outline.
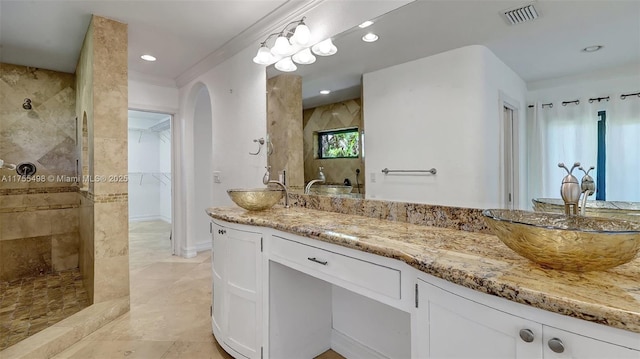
(325, 92)
(593, 48)
(148, 58)
(365, 24)
(370, 37)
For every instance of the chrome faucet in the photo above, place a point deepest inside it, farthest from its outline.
(266, 181)
(321, 178)
(570, 190)
(588, 187)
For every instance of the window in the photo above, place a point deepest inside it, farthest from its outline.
(343, 143)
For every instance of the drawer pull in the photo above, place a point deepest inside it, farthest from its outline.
(526, 335)
(556, 345)
(314, 259)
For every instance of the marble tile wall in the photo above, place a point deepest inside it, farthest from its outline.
(103, 98)
(345, 114)
(39, 215)
(44, 135)
(38, 233)
(284, 126)
(465, 219)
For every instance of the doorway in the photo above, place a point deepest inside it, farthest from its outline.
(510, 153)
(150, 175)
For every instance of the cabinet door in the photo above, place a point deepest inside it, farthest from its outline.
(218, 319)
(242, 288)
(455, 327)
(562, 344)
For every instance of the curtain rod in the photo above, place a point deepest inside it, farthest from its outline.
(591, 100)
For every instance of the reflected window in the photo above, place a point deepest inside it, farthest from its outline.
(343, 143)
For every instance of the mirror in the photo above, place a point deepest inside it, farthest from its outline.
(542, 52)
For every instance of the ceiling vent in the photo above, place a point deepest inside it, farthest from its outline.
(521, 14)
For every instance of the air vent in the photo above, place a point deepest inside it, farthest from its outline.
(521, 14)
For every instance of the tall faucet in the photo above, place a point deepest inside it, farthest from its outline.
(321, 178)
(588, 187)
(266, 181)
(570, 190)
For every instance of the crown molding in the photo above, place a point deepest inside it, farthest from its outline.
(276, 19)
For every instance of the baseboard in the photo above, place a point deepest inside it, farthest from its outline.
(148, 218)
(203, 246)
(192, 251)
(349, 348)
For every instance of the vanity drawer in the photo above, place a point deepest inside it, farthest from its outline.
(361, 273)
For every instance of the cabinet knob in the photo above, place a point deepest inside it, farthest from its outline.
(556, 345)
(526, 335)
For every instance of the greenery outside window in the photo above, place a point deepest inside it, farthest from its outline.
(343, 143)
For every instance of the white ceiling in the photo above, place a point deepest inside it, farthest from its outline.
(545, 48)
(49, 33)
(180, 33)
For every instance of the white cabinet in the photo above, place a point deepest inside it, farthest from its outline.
(563, 344)
(451, 326)
(237, 290)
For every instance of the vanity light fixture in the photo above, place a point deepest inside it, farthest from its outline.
(304, 57)
(365, 24)
(147, 57)
(325, 92)
(324, 48)
(286, 65)
(293, 38)
(370, 37)
(593, 48)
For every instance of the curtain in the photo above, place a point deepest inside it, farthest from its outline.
(564, 134)
(623, 150)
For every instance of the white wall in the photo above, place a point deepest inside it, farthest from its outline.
(606, 82)
(152, 94)
(441, 111)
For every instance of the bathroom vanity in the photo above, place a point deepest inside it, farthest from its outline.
(292, 283)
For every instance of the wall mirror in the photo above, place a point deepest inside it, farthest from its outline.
(542, 50)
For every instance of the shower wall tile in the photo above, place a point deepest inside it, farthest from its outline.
(345, 114)
(111, 278)
(112, 166)
(64, 251)
(111, 233)
(44, 135)
(64, 220)
(284, 126)
(18, 225)
(25, 257)
(108, 105)
(86, 247)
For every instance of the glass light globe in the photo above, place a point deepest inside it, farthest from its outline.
(286, 65)
(301, 35)
(264, 56)
(304, 57)
(324, 48)
(282, 47)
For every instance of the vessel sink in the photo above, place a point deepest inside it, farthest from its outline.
(330, 189)
(571, 243)
(255, 199)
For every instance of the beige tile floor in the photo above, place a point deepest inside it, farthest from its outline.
(31, 304)
(170, 299)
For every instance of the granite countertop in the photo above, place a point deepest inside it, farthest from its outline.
(474, 260)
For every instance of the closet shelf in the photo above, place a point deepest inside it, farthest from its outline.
(159, 130)
(162, 177)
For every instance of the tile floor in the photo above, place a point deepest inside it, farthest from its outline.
(29, 305)
(170, 299)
